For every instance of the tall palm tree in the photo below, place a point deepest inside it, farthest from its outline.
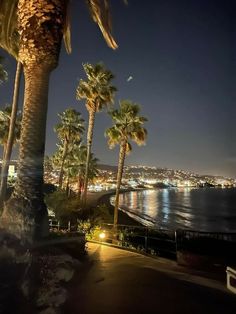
(4, 127)
(9, 40)
(3, 72)
(98, 93)
(128, 125)
(40, 27)
(5, 117)
(69, 131)
(11, 133)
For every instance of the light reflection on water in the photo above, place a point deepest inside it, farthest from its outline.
(197, 209)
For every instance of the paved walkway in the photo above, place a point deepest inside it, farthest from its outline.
(117, 281)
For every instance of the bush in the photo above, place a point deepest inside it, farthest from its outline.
(65, 208)
(101, 214)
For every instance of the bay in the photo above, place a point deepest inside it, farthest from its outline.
(204, 209)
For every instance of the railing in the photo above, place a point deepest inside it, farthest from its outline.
(208, 243)
(159, 242)
(55, 226)
(143, 239)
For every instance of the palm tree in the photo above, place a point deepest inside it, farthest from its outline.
(78, 167)
(3, 73)
(40, 27)
(5, 117)
(4, 127)
(69, 131)
(98, 93)
(128, 125)
(9, 40)
(11, 133)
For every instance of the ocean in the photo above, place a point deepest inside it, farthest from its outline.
(202, 209)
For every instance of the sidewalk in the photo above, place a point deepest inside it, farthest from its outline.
(117, 281)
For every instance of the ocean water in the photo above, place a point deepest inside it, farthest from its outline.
(205, 209)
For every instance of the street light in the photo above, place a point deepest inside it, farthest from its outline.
(102, 235)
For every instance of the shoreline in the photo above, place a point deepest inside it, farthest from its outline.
(123, 217)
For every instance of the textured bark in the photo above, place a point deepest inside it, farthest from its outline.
(26, 206)
(4, 151)
(11, 134)
(65, 149)
(122, 155)
(40, 25)
(89, 147)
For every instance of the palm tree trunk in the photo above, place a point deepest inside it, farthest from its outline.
(25, 214)
(68, 186)
(4, 151)
(3, 154)
(122, 155)
(11, 134)
(65, 148)
(79, 187)
(89, 146)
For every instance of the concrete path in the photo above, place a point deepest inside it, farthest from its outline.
(116, 281)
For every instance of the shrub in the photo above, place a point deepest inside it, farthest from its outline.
(65, 208)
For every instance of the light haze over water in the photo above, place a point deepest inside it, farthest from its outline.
(205, 209)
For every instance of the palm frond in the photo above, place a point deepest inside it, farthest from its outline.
(100, 13)
(9, 37)
(97, 90)
(127, 125)
(128, 148)
(3, 72)
(67, 29)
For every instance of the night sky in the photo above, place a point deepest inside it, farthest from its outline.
(181, 55)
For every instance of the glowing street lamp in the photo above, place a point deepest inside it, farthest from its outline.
(102, 235)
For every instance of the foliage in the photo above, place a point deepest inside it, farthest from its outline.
(9, 33)
(48, 165)
(69, 131)
(65, 208)
(78, 163)
(128, 125)
(98, 93)
(101, 214)
(100, 13)
(3, 72)
(97, 89)
(92, 226)
(5, 116)
(75, 163)
(9, 36)
(70, 127)
(39, 26)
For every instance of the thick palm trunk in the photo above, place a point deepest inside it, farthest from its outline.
(65, 149)
(11, 134)
(89, 147)
(26, 208)
(119, 178)
(41, 29)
